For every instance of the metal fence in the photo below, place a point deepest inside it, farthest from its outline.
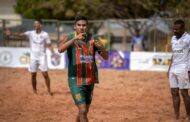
(115, 33)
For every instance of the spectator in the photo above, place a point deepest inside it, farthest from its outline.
(137, 41)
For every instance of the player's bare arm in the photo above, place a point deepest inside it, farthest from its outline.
(63, 46)
(170, 66)
(104, 52)
(54, 55)
(9, 33)
(50, 47)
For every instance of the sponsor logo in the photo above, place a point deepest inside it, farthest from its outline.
(25, 58)
(73, 78)
(86, 59)
(55, 59)
(5, 57)
(161, 60)
(78, 96)
(117, 61)
(178, 51)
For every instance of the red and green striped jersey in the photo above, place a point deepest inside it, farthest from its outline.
(81, 59)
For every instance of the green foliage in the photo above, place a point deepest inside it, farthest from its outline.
(99, 9)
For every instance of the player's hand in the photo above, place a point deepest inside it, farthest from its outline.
(81, 36)
(99, 44)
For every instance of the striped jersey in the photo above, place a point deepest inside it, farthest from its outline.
(81, 59)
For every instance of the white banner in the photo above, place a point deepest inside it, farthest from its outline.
(149, 61)
(20, 57)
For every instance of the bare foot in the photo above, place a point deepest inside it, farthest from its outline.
(50, 93)
(187, 118)
(177, 116)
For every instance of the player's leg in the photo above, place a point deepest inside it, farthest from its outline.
(78, 96)
(176, 101)
(33, 69)
(175, 93)
(78, 116)
(88, 93)
(82, 114)
(34, 82)
(184, 85)
(43, 66)
(186, 99)
(47, 81)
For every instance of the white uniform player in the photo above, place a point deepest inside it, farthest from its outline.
(178, 69)
(38, 42)
(180, 63)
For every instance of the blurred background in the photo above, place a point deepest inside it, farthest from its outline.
(116, 22)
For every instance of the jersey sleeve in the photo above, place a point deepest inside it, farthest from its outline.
(185, 38)
(28, 33)
(48, 40)
(64, 40)
(187, 41)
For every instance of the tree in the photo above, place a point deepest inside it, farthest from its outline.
(94, 9)
(100, 9)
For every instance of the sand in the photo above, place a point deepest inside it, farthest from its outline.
(121, 96)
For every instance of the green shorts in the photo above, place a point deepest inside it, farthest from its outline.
(81, 94)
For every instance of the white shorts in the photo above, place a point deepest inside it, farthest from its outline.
(41, 64)
(179, 80)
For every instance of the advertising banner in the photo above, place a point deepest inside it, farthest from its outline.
(20, 58)
(149, 61)
(116, 60)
